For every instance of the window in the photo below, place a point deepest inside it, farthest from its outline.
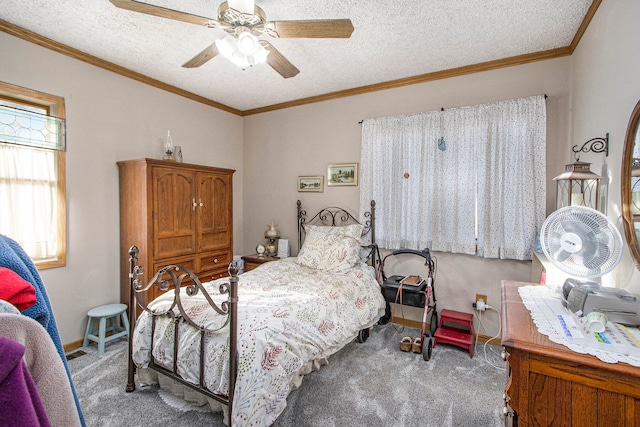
(467, 180)
(32, 173)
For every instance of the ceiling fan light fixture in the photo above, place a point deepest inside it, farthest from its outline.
(242, 6)
(244, 52)
(226, 46)
(241, 60)
(248, 43)
(261, 55)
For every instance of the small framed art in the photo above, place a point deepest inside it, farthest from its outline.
(342, 174)
(311, 183)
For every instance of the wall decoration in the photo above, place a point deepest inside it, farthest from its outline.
(342, 174)
(311, 183)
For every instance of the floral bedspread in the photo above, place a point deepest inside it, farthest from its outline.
(288, 316)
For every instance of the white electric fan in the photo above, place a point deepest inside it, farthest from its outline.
(581, 242)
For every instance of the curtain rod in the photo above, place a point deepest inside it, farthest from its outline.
(442, 109)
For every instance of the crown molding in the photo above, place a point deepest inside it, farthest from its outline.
(45, 42)
(585, 23)
(422, 78)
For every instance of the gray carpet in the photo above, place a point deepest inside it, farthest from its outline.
(373, 384)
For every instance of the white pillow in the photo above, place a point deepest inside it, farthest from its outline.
(333, 249)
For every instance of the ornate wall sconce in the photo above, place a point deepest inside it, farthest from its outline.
(595, 145)
(577, 185)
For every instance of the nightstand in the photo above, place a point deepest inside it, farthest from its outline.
(252, 261)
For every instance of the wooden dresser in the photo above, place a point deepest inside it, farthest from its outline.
(548, 384)
(175, 213)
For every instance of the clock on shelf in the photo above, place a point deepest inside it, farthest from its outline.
(260, 250)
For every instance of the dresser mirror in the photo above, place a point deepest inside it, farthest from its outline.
(631, 185)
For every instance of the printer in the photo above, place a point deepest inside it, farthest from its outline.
(618, 305)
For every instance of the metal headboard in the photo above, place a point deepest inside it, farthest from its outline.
(335, 217)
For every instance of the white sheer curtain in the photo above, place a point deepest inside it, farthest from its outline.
(449, 180)
(28, 199)
(511, 178)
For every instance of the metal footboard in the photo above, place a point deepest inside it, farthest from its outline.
(228, 308)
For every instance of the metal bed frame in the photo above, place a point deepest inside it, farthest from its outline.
(173, 276)
(228, 308)
(336, 217)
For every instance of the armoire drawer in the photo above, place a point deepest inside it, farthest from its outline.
(214, 265)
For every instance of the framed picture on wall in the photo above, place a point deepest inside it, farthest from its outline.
(342, 174)
(311, 183)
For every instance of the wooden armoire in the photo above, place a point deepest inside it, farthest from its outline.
(175, 213)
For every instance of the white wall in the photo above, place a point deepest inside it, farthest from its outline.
(605, 87)
(281, 145)
(111, 118)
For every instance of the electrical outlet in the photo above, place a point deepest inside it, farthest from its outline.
(481, 297)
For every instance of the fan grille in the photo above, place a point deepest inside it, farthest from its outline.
(581, 241)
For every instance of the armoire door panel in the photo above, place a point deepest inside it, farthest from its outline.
(174, 212)
(174, 245)
(213, 212)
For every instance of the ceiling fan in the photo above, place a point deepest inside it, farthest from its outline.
(245, 22)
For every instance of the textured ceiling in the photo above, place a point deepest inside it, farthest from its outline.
(392, 40)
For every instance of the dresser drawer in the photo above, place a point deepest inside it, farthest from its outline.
(186, 262)
(214, 265)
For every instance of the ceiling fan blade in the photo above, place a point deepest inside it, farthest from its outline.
(202, 57)
(326, 28)
(278, 62)
(162, 12)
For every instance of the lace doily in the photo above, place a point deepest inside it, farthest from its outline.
(618, 343)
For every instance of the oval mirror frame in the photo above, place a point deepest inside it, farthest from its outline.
(627, 212)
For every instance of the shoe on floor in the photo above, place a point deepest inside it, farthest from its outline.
(405, 344)
(417, 345)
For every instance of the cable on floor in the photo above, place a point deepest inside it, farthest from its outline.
(479, 316)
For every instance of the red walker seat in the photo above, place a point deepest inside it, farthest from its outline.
(458, 330)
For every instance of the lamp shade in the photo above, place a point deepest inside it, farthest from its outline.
(272, 232)
(244, 52)
(226, 46)
(247, 44)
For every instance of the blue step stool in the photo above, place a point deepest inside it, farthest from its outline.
(118, 329)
